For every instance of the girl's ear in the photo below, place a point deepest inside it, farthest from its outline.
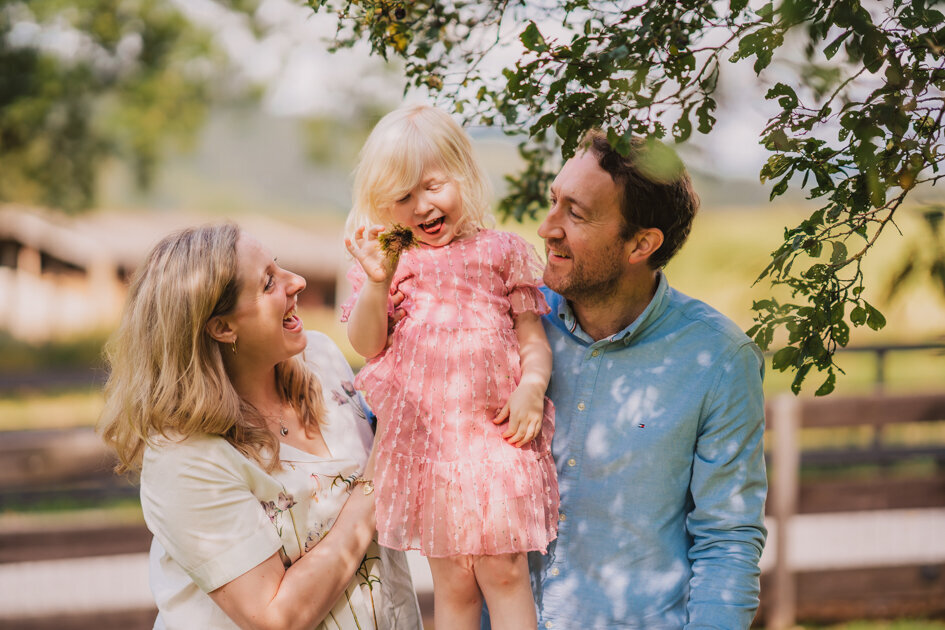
(220, 330)
(644, 244)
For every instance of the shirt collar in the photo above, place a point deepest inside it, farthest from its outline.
(651, 313)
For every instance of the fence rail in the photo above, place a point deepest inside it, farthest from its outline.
(919, 588)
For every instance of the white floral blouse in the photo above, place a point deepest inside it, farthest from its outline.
(216, 514)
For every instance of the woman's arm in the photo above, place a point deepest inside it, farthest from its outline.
(367, 323)
(525, 407)
(272, 597)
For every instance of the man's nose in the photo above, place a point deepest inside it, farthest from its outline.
(550, 228)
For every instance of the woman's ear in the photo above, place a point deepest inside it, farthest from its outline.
(220, 330)
(644, 244)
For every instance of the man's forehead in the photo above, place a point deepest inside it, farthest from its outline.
(582, 181)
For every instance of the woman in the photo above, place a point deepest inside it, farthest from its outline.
(252, 447)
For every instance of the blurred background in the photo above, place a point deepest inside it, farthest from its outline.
(121, 121)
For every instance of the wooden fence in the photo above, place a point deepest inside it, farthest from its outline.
(48, 466)
(908, 588)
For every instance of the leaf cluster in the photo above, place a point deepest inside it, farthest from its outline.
(859, 124)
(124, 81)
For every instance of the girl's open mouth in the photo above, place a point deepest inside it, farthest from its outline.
(432, 227)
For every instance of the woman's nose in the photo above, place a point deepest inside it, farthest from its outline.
(296, 284)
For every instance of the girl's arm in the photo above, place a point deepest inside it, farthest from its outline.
(272, 597)
(367, 323)
(525, 407)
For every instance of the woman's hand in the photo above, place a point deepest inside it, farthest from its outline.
(270, 596)
(366, 249)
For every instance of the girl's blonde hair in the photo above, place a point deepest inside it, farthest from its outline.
(405, 143)
(166, 374)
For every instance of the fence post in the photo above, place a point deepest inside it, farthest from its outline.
(786, 412)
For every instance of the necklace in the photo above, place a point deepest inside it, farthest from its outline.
(283, 431)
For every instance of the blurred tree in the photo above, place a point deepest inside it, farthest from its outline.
(860, 93)
(82, 81)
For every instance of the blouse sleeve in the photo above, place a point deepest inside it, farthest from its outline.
(198, 501)
(524, 278)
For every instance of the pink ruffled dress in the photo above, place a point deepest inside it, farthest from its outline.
(447, 483)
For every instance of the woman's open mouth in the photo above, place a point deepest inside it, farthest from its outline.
(291, 321)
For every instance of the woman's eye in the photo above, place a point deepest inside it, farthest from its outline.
(404, 198)
(270, 280)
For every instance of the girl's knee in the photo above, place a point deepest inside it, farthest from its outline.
(502, 570)
(454, 574)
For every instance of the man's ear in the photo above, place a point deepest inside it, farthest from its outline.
(644, 244)
(220, 330)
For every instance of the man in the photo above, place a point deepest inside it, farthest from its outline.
(659, 412)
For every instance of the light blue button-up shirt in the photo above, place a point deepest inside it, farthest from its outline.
(659, 450)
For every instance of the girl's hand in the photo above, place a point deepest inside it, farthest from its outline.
(524, 411)
(366, 249)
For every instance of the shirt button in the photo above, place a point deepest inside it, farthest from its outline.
(572, 462)
(595, 353)
(548, 624)
(555, 572)
(580, 406)
(562, 517)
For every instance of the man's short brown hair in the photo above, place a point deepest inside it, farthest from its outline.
(655, 190)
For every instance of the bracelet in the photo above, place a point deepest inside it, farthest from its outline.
(367, 483)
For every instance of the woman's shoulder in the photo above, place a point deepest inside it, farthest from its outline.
(168, 457)
(324, 357)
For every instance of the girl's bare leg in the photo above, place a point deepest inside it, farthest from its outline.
(457, 601)
(505, 584)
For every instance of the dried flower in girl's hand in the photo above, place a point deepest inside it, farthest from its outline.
(396, 240)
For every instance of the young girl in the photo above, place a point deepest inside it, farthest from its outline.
(464, 469)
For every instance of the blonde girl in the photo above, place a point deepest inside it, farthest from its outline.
(464, 469)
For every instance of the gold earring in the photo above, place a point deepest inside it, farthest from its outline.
(233, 347)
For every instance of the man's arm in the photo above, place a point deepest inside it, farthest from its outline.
(728, 488)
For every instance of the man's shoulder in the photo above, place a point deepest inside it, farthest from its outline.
(706, 320)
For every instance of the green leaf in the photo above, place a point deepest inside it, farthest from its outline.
(858, 315)
(784, 358)
(832, 48)
(839, 254)
(874, 319)
(532, 39)
(828, 385)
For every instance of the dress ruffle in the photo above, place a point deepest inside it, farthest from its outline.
(447, 482)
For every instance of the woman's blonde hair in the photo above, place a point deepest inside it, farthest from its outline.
(404, 144)
(166, 374)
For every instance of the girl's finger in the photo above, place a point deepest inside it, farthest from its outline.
(502, 416)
